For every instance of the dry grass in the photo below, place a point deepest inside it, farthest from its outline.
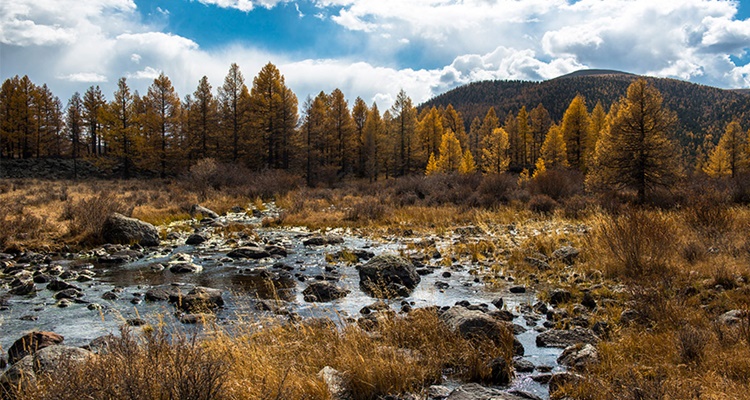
(278, 361)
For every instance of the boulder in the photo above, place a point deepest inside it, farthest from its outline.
(32, 342)
(185, 268)
(579, 356)
(25, 288)
(57, 285)
(323, 291)
(44, 361)
(252, 252)
(120, 229)
(538, 263)
(472, 323)
(320, 240)
(195, 239)
(160, 294)
(561, 379)
(335, 382)
(566, 254)
(564, 338)
(200, 299)
(559, 296)
(500, 371)
(197, 209)
(388, 274)
(733, 317)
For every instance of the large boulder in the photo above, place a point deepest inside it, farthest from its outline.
(119, 229)
(200, 299)
(388, 275)
(45, 361)
(199, 210)
(476, 324)
(323, 291)
(579, 356)
(564, 338)
(32, 342)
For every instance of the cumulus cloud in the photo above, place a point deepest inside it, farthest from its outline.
(243, 5)
(91, 77)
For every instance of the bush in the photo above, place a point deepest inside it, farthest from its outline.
(557, 183)
(367, 209)
(542, 204)
(87, 216)
(495, 189)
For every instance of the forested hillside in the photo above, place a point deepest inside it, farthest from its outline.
(701, 110)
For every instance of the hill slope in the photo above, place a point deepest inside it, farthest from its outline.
(700, 109)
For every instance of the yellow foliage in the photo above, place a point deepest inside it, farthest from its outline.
(468, 166)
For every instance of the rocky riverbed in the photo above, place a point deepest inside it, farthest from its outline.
(230, 267)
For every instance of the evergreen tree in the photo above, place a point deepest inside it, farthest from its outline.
(359, 117)
(554, 152)
(495, 159)
(162, 124)
(575, 130)
(468, 166)
(203, 117)
(450, 153)
(74, 123)
(372, 143)
(93, 105)
(730, 155)
(233, 96)
(539, 124)
(405, 121)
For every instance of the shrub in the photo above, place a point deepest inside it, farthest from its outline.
(542, 204)
(557, 183)
(367, 209)
(495, 189)
(87, 216)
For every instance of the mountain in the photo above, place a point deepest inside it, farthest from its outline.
(700, 109)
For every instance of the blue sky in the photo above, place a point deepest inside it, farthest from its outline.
(369, 48)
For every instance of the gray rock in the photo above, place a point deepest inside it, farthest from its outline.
(537, 263)
(500, 372)
(733, 317)
(197, 209)
(120, 229)
(579, 356)
(559, 296)
(195, 239)
(320, 240)
(564, 338)
(336, 383)
(438, 392)
(472, 323)
(200, 299)
(523, 365)
(473, 391)
(44, 361)
(561, 379)
(56, 285)
(31, 343)
(25, 288)
(160, 294)
(185, 268)
(517, 289)
(566, 254)
(323, 291)
(252, 252)
(385, 274)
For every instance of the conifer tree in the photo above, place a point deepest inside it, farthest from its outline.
(432, 166)
(468, 166)
(93, 105)
(636, 152)
(120, 130)
(204, 120)
(730, 155)
(554, 152)
(575, 130)
(539, 124)
(372, 142)
(495, 159)
(359, 117)
(233, 97)
(450, 153)
(431, 131)
(162, 123)
(405, 121)
(74, 123)
(452, 120)
(524, 137)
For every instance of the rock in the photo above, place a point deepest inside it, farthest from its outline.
(323, 291)
(472, 323)
(537, 263)
(56, 285)
(44, 361)
(566, 254)
(192, 319)
(276, 250)
(120, 229)
(159, 294)
(25, 288)
(500, 372)
(524, 395)
(68, 294)
(733, 317)
(42, 278)
(498, 303)
(438, 392)
(195, 239)
(200, 299)
(32, 342)
(252, 252)
(135, 322)
(579, 356)
(101, 344)
(109, 295)
(197, 209)
(185, 268)
(564, 338)
(561, 379)
(517, 289)
(559, 296)
(3, 362)
(320, 240)
(470, 230)
(385, 274)
(336, 383)
(629, 316)
(523, 365)
(588, 301)
(474, 391)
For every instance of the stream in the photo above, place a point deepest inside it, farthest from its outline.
(244, 283)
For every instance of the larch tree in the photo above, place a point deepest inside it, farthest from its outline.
(489, 124)
(575, 129)
(162, 122)
(495, 159)
(431, 131)
(49, 122)
(475, 134)
(204, 114)
(93, 106)
(730, 155)
(468, 166)
(342, 126)
(432, 166)
(359, 117)
(452, 120)
(553, 151)
(404, 126)
(120, 132)
(315, 112)
(511, 129)
(233, 96)
(524, 137)
(636, 153)
(539, 124)
(450, 152)
(597, 124)
(373, 133)
(75, 123)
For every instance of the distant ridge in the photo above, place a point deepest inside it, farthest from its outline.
(701, 110)
(594, 72)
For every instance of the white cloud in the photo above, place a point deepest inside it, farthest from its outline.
(85, 77)
(243, 5)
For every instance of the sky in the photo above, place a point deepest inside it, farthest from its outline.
(369, 48)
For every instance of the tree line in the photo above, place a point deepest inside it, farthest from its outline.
(260, 127)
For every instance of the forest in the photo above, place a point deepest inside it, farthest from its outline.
(259, 127)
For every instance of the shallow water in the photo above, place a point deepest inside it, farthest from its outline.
(243, 282)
